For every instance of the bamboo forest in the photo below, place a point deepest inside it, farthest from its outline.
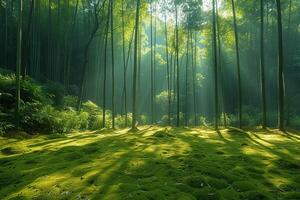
(149, 99)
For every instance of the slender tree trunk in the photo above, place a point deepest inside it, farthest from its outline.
(154, 68)
(104, 71)
(220, 68)
(168, 69)
(18, 65)
(49, 43)
(137, 17)
(289, 57)
(194, 64)
(151, 63)
(240, 112)
(124, 93)
(186, 79)
(262, 66)
(112, 62)
(215, 68)
(124, 65)
(139, 65)
(5, 53)
(280, 70)
(177, 65)
(25, 54)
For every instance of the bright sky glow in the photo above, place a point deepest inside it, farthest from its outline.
(206, 6)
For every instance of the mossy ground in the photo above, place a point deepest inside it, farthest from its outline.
(153, 163)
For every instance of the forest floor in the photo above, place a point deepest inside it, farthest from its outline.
(154, 163)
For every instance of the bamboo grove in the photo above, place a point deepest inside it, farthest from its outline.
(169, 62)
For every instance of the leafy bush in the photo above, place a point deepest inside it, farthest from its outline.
(46, 109)
(202, 121)
(120, 120)
(144, 119)
(5, 126)
(47, 119)
(250, 121)
(224, 118)
(95, 115)
(30, 90)
(95, 122)
(69, 101)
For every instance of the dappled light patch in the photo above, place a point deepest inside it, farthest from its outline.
(152, 163)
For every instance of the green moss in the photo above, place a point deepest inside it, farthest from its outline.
(155, 194)
(75, 156)
(162, 134)
(185, 196)
(292, 195)
(288, 164)
(256, 195)
(120, 165)
(206, 193)
(243, 186)
(220, 152)
(184, 187)
(55, 136)
(228, 193)
(196, 181)
(10, 151)
(287, 187)
(90, 150)
(216, 183)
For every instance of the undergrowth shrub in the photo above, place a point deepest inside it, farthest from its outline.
(120, 120)
(95, 115)
(5, 126)
(47, 119)
(30, 89)
(45, 108)
(144, 119)
(202, 121)
(251, 117)
(69, 101)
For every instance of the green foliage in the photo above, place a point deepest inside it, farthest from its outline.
(30, 90)
(202, 121)
(95, 115)
(120, 120)
(144, 119)
(5, 126)
(69, 101)
(224, 118)
(251, 117)
(46, 109)
(47, 119)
